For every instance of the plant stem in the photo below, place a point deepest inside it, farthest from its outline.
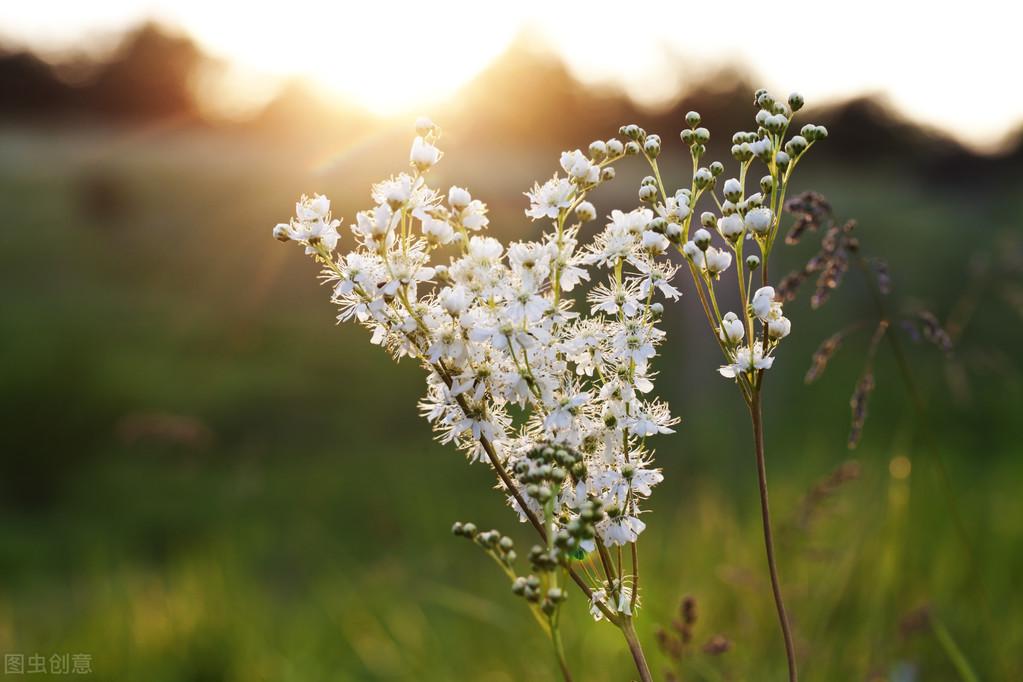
(756, 414)
(636, 649)
(559, 653)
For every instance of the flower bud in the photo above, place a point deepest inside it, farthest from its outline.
(766, 184)
(692, 119)
(702, 239)
(708, 219)
(652, 146)
(585, 212)
(733, 190)
(759, 220)
(795, 101)
(615, 147)
(459, 198)
(424, 126)
(598, 150)
(703, 178)
(717, 168)
(782, 159)
(632, 148)
(656, 309)
(688, 137)
(673, 232)
(796, 146)
(282, 232)
(702, 135)
(647, 194)
(693, 252)
(762, 116)
(649, 180)
(820, 132)
(607, 173)
(731, 227)
(752, 262)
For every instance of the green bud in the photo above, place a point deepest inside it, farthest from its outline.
(457, 529)
(752, 262)
(766, 184)
(506, 543)
(692, 119)
(717, 168)
(632, 148)
(796, 101)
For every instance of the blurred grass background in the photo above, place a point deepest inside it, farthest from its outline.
(204, 479)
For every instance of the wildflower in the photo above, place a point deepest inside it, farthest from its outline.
(547, 200)
(423, 155)
(746, 360)
(732, 329)
(759, 220)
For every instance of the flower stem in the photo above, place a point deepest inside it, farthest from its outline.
(756, 414)
(559, 652)
(636, 649)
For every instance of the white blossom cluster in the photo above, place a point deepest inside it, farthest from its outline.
(749, 335)
(512, 364)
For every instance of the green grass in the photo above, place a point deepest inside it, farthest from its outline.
(303, 533)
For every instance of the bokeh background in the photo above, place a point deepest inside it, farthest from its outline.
(203, 478)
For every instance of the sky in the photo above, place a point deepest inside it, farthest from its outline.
(952, 66)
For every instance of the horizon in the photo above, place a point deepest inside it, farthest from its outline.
(459, 45)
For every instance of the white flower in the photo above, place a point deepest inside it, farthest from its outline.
(655, 242)
(438, 231)
(454, 300)
(375, 223)
(621, 530)
(560, 417)
(730, 227)
(717, 260)
(746, 361)
(759, 220)
(310, 209)
(423, 155)
(779, 328)
(693, 253)
(578, 166)
(458, 198)
(547, 200)
(763, 302)
(732, 329)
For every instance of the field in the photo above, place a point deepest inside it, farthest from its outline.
(204, 478)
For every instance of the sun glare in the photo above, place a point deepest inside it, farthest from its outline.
(390, 65)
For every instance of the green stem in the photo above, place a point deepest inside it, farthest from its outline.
(559, 652)
(756, 414)
(636, 649)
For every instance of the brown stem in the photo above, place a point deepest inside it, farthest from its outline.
(636, 649)
(756, 414)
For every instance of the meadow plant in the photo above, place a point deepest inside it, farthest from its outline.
(750, 333)
(538, 354)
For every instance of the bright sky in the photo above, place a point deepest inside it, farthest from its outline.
(952, 65)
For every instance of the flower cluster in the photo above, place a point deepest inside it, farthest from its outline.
(557, 400)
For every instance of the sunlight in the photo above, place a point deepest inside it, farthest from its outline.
(354, 52)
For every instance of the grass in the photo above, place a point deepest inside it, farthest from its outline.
(292, 525)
